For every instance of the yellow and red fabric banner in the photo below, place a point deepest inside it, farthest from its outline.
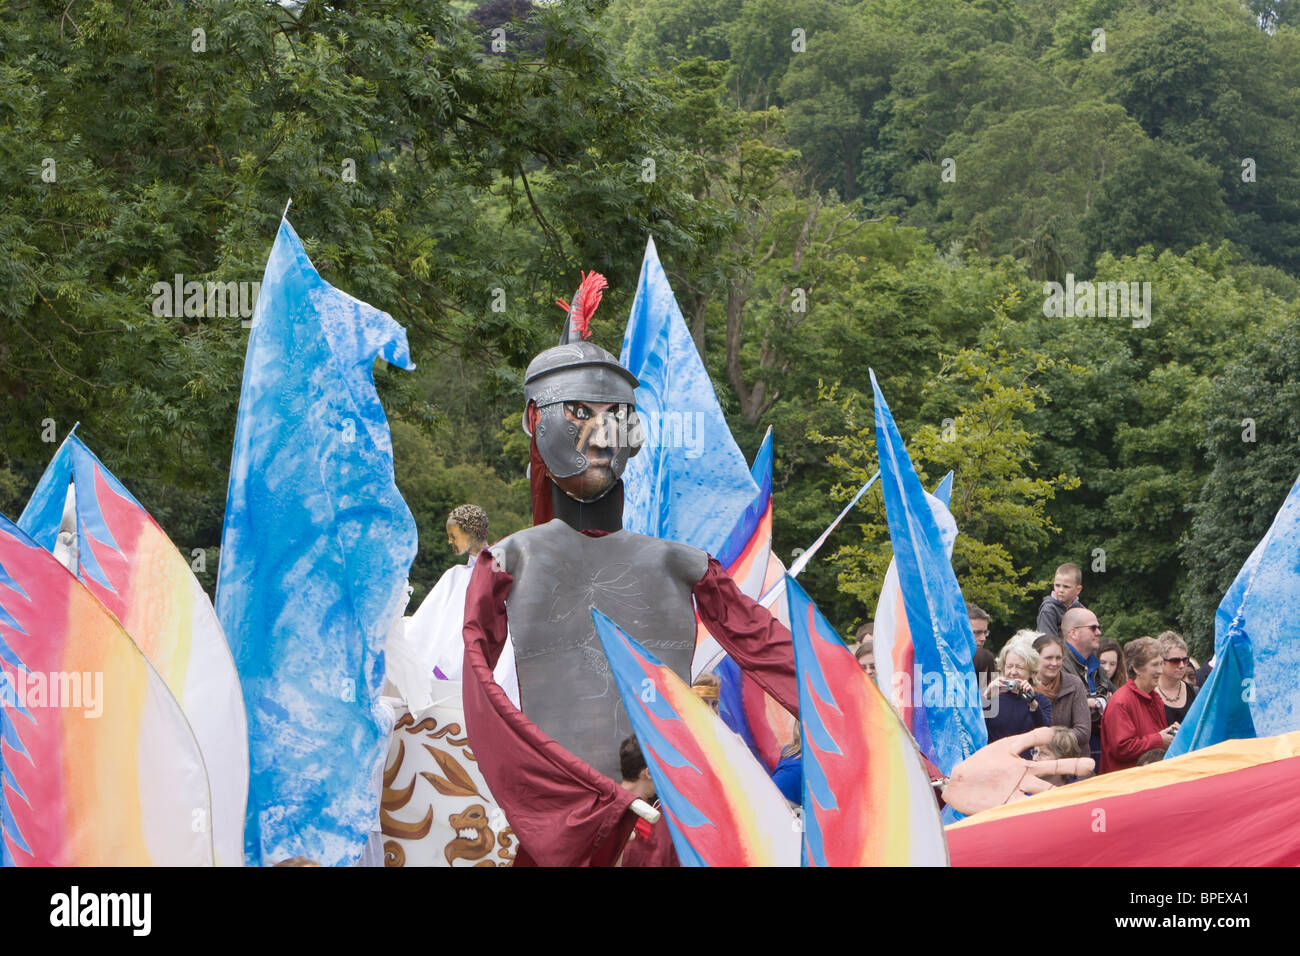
(1233, 804)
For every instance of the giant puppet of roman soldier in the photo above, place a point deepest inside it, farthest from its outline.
(553, 766)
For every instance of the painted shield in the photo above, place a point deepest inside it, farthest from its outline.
(437, 810)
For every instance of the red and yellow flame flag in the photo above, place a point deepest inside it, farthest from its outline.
(1237, 801)
(98, 766)
(722, 808)
(867, 799)
(126, 560)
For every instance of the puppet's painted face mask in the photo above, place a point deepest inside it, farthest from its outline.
(581, 411)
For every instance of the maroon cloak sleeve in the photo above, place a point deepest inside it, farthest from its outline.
(564, 812)
(748, 632)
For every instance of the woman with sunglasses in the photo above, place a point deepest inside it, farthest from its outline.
(1176, 694)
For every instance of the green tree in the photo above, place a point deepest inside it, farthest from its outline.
(1271, 14)
(1201, 74)
(1129, 423)
(998, 502)
(1035, 171)
(830, 92)
(664, 31)
(894, 304)
(1251, 443)
(769, 36)
(1160, 195)
(460, 191)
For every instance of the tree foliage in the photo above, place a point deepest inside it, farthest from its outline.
(427, 178)
(1251, 440)
(998, 498)
(832, 186)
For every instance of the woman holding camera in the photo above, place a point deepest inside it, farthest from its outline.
(1134, 721)
(1012, 706)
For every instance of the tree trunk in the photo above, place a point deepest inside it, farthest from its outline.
(735, 317)
(698, 324)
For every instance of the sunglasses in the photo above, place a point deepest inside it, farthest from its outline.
(1176, 660)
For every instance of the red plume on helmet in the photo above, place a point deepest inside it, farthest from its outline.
(584, 305)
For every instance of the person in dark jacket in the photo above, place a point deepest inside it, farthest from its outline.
(1082, 636)
(1012, 705)
(1066, 587)
(985, 663)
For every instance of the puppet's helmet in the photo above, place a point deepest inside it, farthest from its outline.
(579, 372)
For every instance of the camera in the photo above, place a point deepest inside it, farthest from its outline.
(1014, 687)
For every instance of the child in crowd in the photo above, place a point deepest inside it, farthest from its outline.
(1063, 745)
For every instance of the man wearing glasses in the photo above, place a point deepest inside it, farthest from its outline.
(985, 662)
(1082, 636)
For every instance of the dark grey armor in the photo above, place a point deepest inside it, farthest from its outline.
(644, 584)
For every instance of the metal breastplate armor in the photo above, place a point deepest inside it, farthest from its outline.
(644, 584)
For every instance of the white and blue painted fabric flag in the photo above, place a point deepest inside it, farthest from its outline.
(690, 482)
(315, 552)
(1252, 690)
(942, 642)
(898, 671)
(80, 510)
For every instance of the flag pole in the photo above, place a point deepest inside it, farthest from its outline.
(802, 561)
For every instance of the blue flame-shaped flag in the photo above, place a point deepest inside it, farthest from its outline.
(1252, 690)
(690, 482)
(315, 551)
(936, 611)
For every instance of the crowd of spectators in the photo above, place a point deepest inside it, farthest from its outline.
(1121, 705)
